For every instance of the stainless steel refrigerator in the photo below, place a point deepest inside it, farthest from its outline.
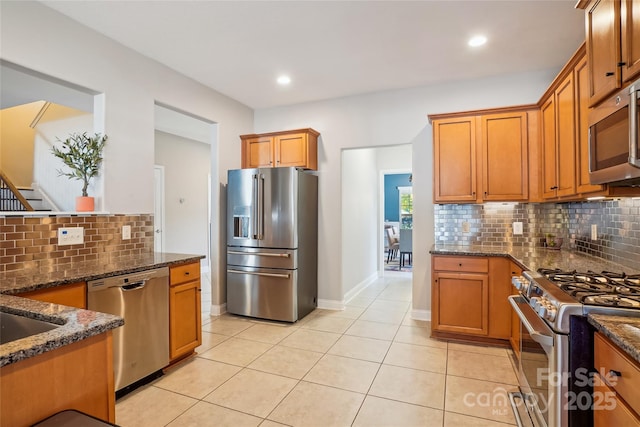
(272, 241)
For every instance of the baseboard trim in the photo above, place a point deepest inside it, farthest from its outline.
(421, 315)
(330, 304)
(217, 310)
(360, 287)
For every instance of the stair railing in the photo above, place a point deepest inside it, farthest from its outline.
(10, 197)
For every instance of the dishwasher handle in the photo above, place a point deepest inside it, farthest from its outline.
(134, 286)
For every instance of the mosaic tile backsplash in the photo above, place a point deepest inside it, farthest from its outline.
(32, 242)
(618, 224)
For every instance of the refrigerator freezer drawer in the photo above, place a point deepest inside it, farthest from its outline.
(262, 257)
(264, 293)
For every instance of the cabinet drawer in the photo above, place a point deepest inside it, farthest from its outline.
(72, 295)
(609, 358)
(184, 273)
(462, 263)
(609, 410)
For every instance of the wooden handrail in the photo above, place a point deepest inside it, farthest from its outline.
(5, 182)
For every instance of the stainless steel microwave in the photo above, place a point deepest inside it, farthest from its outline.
(614, 158)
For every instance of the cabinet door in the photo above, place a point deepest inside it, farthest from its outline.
(630, 32)
(565, 138)
(548, 118)
(454, 144)
(71, 295)
(185, 330)
(505, 160)
(515, 319)
(583, 185)
(257, 152)
(603, 47)
(460, 303)
(610, 410)
(291, 150)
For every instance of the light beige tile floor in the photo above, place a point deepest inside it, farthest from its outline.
(369, 365)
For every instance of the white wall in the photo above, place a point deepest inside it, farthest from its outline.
(186, 167)
(359, 219)
(40, 39)
(383, 119)
(61, 190)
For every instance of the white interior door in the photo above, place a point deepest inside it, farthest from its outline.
(158, 208)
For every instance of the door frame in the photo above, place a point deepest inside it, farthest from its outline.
(381, 258)
(158, 203)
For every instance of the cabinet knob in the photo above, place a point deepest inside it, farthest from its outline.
(459, 265)
(615, 373)
(609, 74)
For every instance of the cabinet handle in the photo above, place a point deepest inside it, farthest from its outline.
(615, 373)
(621, 64)
(554, 188)
(609, 74)
(186, 273)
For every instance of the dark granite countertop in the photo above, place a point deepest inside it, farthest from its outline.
(622, 330)
(532, 258)
(15, 282)
(76, 325)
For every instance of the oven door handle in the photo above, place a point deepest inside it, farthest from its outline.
(536, 332)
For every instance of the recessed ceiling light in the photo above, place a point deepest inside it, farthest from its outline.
(476, 41)
(284, 80)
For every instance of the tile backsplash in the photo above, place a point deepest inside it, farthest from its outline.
(618, 224)
(32, 242)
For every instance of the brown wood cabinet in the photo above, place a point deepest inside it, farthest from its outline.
(72, 295)
(470, 154)
(185, 323)
(616, 393)
(296, 148)
(613, 45)
(558, 141)
(469, 297)
(77, 376)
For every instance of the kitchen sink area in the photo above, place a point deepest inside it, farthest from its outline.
(15, 327)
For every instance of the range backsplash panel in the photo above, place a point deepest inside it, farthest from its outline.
(32, 242)
(618, 224)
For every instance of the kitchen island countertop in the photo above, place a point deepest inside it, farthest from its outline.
(624, 331)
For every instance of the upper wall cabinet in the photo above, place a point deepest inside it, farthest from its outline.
(481, 156)
(613, 45)
(297, 148)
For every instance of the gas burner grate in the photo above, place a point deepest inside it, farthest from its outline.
(612, 301)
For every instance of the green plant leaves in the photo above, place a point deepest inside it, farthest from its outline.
(82, 154)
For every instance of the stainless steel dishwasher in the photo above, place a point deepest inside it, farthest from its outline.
(141, 346)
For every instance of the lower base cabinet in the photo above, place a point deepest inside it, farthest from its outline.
(616, 396)
(469, 297)
(185, 322)
(77, 376)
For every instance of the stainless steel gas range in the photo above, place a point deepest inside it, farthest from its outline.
(556, 342)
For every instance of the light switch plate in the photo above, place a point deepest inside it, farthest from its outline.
(466, 227)
(517, 228)
(70, 235)
(126, 232)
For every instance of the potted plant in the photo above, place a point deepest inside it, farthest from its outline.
(83, 155)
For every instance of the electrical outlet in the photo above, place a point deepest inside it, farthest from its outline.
(70, 235)
(126, 232)
(594, 231)
(466, 227)
(517, 228)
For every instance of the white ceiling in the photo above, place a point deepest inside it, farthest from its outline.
(336, 48)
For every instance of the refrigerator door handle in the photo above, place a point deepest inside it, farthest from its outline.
(260, 254)
(260, 206)
(255, 273)
(254, 210)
